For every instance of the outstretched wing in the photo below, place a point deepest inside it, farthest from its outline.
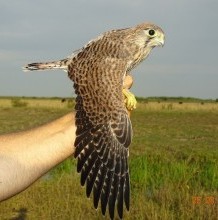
(103, 133)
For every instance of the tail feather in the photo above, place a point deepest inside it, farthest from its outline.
(61, 64)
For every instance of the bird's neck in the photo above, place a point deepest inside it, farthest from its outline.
(138, 57)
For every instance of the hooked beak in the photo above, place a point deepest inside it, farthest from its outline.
(161, 41)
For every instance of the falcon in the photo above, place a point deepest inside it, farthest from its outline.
(99, 71)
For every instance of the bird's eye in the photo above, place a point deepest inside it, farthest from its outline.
(151, 32)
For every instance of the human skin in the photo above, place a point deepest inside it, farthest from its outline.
(26, 156)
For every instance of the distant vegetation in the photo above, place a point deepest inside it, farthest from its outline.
(173, 162)
(148, 99)
(16, 102)
(176, 99)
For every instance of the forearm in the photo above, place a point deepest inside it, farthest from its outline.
(26, 156)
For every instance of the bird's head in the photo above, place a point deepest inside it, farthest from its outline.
(142, 39)
(149, 35)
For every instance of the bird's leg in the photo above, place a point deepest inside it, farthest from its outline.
(129, 98)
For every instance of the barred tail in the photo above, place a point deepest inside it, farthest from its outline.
(61, 64)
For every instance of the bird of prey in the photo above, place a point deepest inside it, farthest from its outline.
(104, 132)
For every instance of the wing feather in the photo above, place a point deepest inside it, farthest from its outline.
(113, 195)
(106, 191)
(84, 155)
(88, 166)
(92, 177)
(99, 184)
(104, 132)
(120, 197)
(127, 191)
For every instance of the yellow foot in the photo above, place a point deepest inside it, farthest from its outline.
(129, 100)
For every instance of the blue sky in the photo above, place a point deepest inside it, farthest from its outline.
(45, 30)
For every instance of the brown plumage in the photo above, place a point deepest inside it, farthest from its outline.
(104, 130)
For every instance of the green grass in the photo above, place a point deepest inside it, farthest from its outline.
(173, 159)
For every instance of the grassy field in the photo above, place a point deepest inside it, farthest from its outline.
(173, 163)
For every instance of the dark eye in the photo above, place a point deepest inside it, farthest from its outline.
(151, 32)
